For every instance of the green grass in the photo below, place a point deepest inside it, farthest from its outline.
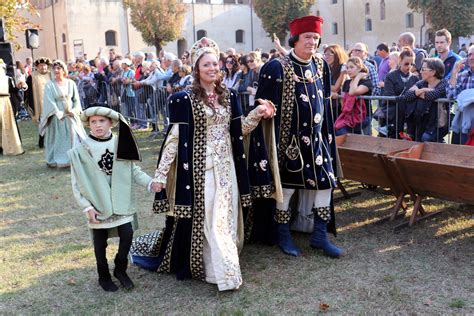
(47, 264)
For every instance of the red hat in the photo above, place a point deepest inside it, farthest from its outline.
(305, 24)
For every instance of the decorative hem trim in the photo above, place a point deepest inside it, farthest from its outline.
(246, 200)
(282, 216)
(323, 213)
(263, 191)
(183, 211)
(161, 206)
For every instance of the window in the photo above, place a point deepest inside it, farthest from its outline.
(382, 9)
(200, 1)
(367, 8)
(334, 28)
(317, 13)
(334, 1)
(200, 34)
(239, 36)
(64, 38)
(243, 1)
(409, 20)
(229, 1)
(368, 25)
(110, 38)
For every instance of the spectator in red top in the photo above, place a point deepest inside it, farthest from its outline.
(138, 58)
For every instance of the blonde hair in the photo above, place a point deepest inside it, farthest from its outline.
(255, 55)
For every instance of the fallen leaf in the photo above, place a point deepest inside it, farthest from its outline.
(71, 281)
(323, 307)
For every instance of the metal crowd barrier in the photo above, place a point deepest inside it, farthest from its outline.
(390, 121)
(147, 106)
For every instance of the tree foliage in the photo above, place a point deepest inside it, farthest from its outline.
(159, 21)
(455, 15)
(15, 23)
(277, 14)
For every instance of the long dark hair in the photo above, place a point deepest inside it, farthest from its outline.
(200, 92)
(235, 66)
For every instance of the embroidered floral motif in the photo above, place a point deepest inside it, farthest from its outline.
(330, 138)
(263, 164)
(304, 97)
(317, 118)
(106, 162)
(185, 166)
(319, 160)
(306, 140)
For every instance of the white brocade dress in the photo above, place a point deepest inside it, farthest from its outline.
(221, 221)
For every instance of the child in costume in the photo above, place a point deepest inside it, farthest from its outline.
(103, 173)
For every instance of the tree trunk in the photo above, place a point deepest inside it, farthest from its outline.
(158, 46)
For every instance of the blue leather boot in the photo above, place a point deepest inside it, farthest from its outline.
(319, 238)
(285, 242)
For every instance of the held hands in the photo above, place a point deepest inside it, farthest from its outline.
(266, 109)
(92, 216)
(157, 187)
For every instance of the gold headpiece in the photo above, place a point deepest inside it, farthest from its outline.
(204, 45)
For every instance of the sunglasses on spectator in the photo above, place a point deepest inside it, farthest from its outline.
(409, 64)
(426, 69)
(250, 60)
(231, 62)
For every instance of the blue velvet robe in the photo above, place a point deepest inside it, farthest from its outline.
(303, 133)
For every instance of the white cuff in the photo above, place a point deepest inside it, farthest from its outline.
(87, 209)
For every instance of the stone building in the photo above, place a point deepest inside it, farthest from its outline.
(74, 27)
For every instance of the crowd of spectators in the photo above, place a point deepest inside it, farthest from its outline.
(136, 83)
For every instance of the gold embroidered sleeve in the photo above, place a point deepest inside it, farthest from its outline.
(250, 122)
(168, 155)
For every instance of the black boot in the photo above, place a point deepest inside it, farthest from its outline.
(105, 281)
(41, 141)
(120, 272)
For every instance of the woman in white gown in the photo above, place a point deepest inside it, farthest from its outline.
(202, 170)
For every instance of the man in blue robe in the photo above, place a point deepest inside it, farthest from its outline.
(300, 151)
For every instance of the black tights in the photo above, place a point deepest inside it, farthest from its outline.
(100, 236)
